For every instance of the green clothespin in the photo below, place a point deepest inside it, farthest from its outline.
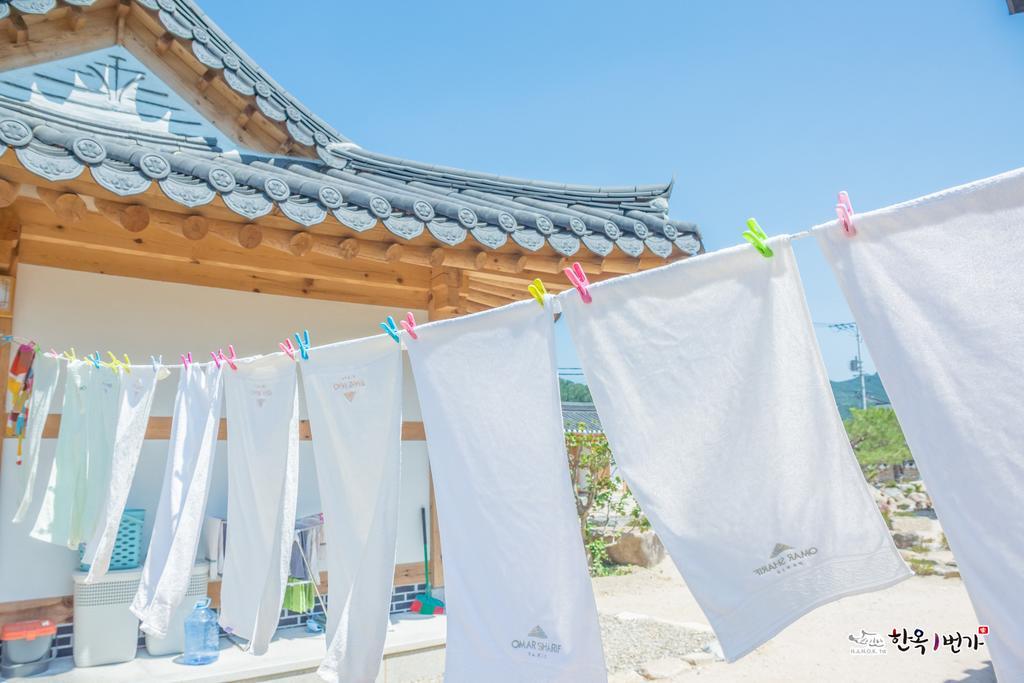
(757, 237)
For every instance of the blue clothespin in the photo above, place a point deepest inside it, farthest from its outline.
(303, 343)
(95, 358)
(391, 328)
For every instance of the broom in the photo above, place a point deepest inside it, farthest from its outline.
(425, 603)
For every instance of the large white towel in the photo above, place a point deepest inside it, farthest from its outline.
(354, 399)
(711, 390)
(135, 403)
(520, 605)
(179, 514)
(45, 376)
(933, 286)
(263, 477)
(81, 467)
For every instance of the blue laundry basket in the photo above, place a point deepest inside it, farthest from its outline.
(127, 552)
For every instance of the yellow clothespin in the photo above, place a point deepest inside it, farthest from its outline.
(71, 355)
(538, 291)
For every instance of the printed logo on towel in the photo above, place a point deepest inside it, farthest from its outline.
(867, 643)
(261, 392)
(537, 644)
(349, 386)
(784, 558)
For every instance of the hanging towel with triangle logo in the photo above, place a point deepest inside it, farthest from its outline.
(354, 398)
(934, 285)
(518, 596)
(262, 403)
(708, 381)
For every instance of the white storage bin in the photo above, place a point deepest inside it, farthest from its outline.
(105, 631)
(174, 642)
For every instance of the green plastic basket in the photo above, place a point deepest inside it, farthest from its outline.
(128, 546)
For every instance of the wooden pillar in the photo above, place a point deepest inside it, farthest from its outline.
(10, 233)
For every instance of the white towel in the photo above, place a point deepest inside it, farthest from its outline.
(263, 476)
(354, 400)
(179, 514)
(711, 390)
(933, 286)
(135, 403)
(81, 467)
(520, 604)
(46, 372)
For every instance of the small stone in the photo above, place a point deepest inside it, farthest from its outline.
(699, 658)
(666, 667)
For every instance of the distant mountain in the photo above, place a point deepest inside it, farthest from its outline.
(574, 392)
(847, 393)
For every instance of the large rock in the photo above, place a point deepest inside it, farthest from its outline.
(906, 539)
(635, 547)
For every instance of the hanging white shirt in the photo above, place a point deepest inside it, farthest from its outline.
(710, 387)
(933, 285)
(46, 374)
(263, 468)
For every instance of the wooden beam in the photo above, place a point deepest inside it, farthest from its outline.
(67, 206)
(620, 265)
(488, 300)
(206, 79)
(164, 42)
(383, 252)
(349, 248)
(245, 116)
(455, 258)
(124, 8)
(18, 30)
(131, 217)
(443, 301)
(504, 263)
(8, 192)
(75, 17)
(195, 228)
(10, 229)
(159, 429)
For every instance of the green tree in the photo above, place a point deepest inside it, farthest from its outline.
(574, 391)
(876, 437)
(599, 495)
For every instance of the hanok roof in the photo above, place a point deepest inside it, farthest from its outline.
(291, 162)
(580, 418)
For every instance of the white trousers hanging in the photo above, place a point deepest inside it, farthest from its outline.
(354, 400)
(135, 402)
(519, 600)
(179, 514)
(263, 468)
(711, 390)
(46, 373)
(934, 287)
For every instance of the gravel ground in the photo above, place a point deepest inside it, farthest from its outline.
(631, 643)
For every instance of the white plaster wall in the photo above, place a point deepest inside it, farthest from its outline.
(61, 308)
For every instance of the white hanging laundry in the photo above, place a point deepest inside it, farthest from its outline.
(46, 373)
(711, 390)
(263, 468)
(354, 399)
(135, 403)
(81, 468)
(487, 386)
(179, 514)
(932, 285)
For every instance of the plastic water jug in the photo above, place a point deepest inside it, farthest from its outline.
(202, 636)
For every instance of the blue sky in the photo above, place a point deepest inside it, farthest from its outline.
(757, 109)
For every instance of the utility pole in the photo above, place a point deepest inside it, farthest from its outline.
(859, 362)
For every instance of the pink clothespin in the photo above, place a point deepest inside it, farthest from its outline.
(409, 325)
(230, 360)
(288, 348)
(844, 209)
(186, 359)
(579, 280)
(217, 356)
